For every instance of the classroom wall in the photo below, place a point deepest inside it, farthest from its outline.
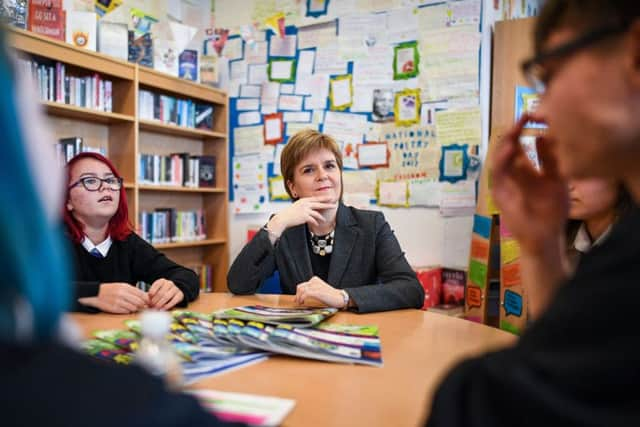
(426, 237)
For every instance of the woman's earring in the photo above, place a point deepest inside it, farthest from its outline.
(295, 195)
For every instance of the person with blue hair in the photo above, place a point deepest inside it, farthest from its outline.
(45, 381)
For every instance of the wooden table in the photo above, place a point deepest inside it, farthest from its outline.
(418, 348)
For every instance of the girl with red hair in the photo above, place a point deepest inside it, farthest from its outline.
(109, 257)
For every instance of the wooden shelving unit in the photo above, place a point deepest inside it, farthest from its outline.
(125, 136)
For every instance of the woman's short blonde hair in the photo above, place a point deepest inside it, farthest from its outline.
(299, 146)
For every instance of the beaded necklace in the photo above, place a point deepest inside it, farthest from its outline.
(322, 245)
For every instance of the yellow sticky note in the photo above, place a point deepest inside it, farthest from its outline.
(509, 251)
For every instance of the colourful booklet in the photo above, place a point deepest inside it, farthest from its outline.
(245, 408)
(312, 343)
(300, 317)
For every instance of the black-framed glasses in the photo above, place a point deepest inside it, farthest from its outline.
(536, 73)
(93, 183)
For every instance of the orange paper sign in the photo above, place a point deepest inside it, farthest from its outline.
(479, 249)
(511, 274)
(474, 296)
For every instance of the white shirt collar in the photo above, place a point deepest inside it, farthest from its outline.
(103, 247)
(583, 242)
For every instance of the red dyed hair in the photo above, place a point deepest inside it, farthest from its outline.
(119, 226)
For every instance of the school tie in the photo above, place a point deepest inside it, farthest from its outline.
(96, 253)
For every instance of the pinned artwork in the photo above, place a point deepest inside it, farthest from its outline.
(527, 101)
(340, 92)
(405, 61)
(282, 70)
(383, 102)
(454, 163)
(407, 107)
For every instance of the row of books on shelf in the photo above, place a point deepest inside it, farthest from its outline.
(82, 91)
(168, 225)
(67, 148)
(179, 169)
(209, 344)
(204, 272)
(170, 110)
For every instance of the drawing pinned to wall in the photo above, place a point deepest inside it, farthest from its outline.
(454, 162)
(316, 8)
(282, 70)
(277, 189)
(527, 101)
(373, 155)
(340, 92)
(250, 184)
(407, 107)
(383, 101)
(392, 193)
(406, 60)
(233, 48)
(273, 128)
(215, 41)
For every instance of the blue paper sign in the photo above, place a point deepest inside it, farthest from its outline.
(512, 303)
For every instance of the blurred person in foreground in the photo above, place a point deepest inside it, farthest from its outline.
(577, 365)
(45, 381)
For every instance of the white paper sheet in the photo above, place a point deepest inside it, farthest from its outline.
(248, 139)
(273, 128)
(285, 46)
(233, 48)
(250, 91)
(392, 193)
(306, 59)
(282, 70)
(243, 104)
(270, 95)
(424, 192)
(290, 102)
(257, 53)
(317, 35)
(276, 159)
(258, 74)
(239, 71)
(341, 90)
(372, 154)
(249, 118)
(301, 116)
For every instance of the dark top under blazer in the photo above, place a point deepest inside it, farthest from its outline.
(367, 261)
(128, 261)
(577, 365)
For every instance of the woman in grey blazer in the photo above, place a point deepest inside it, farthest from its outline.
(324, 250)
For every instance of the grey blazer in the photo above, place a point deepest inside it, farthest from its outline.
(367, 262)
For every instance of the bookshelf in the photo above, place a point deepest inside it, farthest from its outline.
(124, 136)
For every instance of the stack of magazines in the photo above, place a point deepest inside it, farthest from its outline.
(232, 338)
(301, 333)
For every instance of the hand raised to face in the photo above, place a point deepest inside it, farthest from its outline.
(307, 210)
